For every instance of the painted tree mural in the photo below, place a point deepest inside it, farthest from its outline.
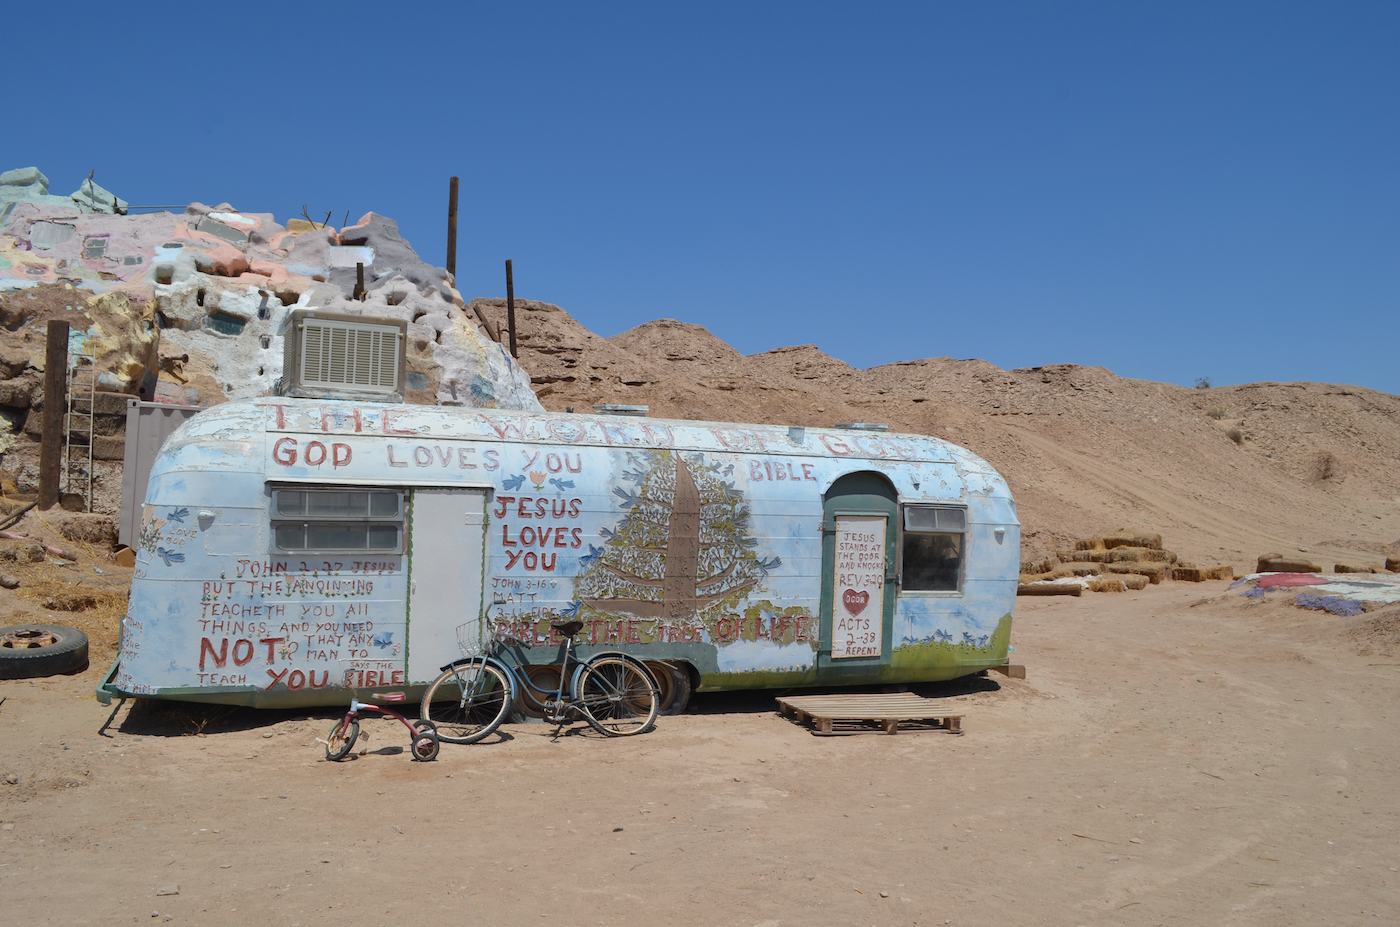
(682, 553)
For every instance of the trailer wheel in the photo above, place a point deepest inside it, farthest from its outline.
(673, 686)
(30, 650)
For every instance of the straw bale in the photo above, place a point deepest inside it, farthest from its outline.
(1090, 544)
(1132, 540)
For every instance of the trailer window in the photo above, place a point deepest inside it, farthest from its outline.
(330, 520)
(932, 552)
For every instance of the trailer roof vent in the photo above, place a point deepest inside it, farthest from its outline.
(864, 426)
(329, 355)
(635, 411)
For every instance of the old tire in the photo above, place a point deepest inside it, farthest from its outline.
(30, 650)
(673, 686)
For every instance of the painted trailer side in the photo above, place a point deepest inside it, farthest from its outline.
(289, 549)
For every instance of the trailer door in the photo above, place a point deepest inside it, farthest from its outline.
(446, 565)
(858, 546)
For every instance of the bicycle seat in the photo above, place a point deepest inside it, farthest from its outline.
(567, 628)
(388, 696)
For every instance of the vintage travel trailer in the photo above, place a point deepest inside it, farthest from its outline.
(290, 548)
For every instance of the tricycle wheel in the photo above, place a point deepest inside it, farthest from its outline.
(341, 740)
(425, 747)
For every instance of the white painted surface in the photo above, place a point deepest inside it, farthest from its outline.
(857, 627)
(445, 571)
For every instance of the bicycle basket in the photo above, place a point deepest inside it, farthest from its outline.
(472, 638)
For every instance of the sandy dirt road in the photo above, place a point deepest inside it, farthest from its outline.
(1177, 756)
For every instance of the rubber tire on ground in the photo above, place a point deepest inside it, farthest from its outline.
(339, 744)
(425, 747)
(673, 686)
(425, 727)
(68, 655)
(681, 672)
(617, 695)
(457, 721)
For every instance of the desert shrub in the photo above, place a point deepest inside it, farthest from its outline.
(1217, 412)
(1235, 435)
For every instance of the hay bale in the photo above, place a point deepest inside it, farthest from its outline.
(1090, 544)
(1139, 567)
(1064, 556)
(1086, 569)
(1136, 582)
(1091, 556)
(1279, 564)
(1155, 572)
(1146, 554)
(1135, 539)
(1392, 564)
(1037, 566)
(1050, 589)
(1193, 574)
(1108, 585)
(1353, 568)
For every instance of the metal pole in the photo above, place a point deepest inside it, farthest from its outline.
(359, 281)
(510, 310)
(452, 230)
(55, 404)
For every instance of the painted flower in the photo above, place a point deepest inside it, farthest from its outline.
(537, 477)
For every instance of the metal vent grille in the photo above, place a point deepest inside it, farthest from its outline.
(348, 355)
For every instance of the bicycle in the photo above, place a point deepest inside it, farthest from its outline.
(614, 692)
(423, 736)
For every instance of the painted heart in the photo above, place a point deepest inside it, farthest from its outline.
(855, 602)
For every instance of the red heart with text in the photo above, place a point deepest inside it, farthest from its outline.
(855, 602)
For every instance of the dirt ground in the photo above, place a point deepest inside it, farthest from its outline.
(1176, 756)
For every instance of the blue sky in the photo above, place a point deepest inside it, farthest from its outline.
(1171, 191)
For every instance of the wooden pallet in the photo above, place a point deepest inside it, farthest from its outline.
(888, 711)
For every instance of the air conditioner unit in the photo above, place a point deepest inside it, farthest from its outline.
(329, 355)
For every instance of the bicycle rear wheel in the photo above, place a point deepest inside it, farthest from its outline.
(467, 702)
(617, 695)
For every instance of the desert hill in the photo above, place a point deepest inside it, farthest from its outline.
(1224, 474)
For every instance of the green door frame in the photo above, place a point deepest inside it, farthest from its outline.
(870, 494)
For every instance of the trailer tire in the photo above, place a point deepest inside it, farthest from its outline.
(677, 692)
(30, 650)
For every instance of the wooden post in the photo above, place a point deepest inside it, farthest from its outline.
(452, 230)
(55, 405)
(510, 310)
(359, 281)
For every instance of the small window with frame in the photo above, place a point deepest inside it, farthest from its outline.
(337, 521)
(932, 549)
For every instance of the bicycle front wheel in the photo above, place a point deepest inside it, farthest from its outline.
(617, 695)
(467, 702)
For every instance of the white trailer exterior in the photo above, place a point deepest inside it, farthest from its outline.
(289, 549)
